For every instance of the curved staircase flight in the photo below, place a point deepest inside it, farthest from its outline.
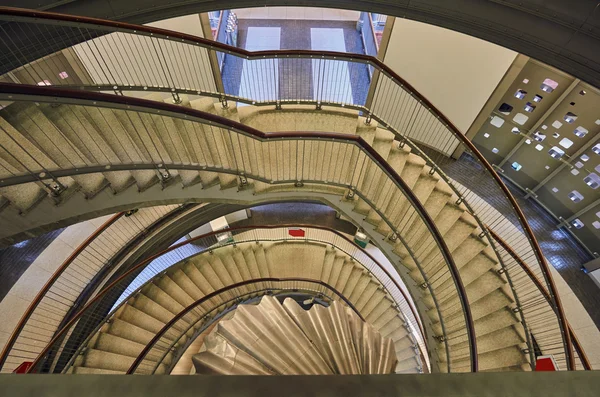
(114, 348)
(70, 136)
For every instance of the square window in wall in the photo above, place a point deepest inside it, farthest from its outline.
(544, 127)
(566, 143)
(537, 98)
(528, 141)
(592, 180)
(486, 135)
(597, 168)
(598, 214)
(596, 224)
(570, 117)
(596, 148)
(598, 122)
(516, 166)
(580, 131)
(557, 124)
(520, 94)
(547, 167)
(575, 196)
(520, 118)
(575, 171)
(584, 157)
(515, 130)
(44, 83)
(579, 164)
(539, 147)
(556, 135)
(539, 136)
(555, 190)
(549, 85)
(525, 81)
(556, 152)
(497, 121)
(529, 107)
(63, 75)
(505, 109)
(577, 223)
(495, 150)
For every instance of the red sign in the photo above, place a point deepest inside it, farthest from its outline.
(296, 232)
(545, 363)
(23, 368)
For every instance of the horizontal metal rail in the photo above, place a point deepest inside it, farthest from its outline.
(42, 292)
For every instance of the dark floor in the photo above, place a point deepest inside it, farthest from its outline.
(14, 260)
(295, 75)
(297, 213)
(559, 247)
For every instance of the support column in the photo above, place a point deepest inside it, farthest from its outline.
(212, 55)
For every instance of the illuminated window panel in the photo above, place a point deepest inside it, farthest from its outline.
(570, 117)
(520, 94)
(557, 124)
(580, 131)
(520, 118)
(549, 85)
(596, 224)
(577, 223)
(575, 196)
(556, 152)
(495, 150)
(516, 166)
(584, 157)
(592, 180)
(539, 147)
(497, 121)
(566, 143)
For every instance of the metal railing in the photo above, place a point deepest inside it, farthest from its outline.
(59, 354)
(220, 302)
(251, 154)
(173, 62)
(59, 296)
(538, 310)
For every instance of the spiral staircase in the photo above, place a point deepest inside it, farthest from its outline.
(67, 155)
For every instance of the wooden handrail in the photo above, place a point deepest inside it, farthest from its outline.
(40, 295)
(200, 301)
(582, 355)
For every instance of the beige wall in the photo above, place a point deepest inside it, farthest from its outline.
(189, 24)
(456, 72)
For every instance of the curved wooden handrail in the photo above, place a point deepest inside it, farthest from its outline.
(200, 301)
(146, 261)
(582, 355)
(27, 13)
(58, 95)
(40, 295)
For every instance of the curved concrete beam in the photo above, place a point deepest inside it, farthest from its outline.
(564, 34)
